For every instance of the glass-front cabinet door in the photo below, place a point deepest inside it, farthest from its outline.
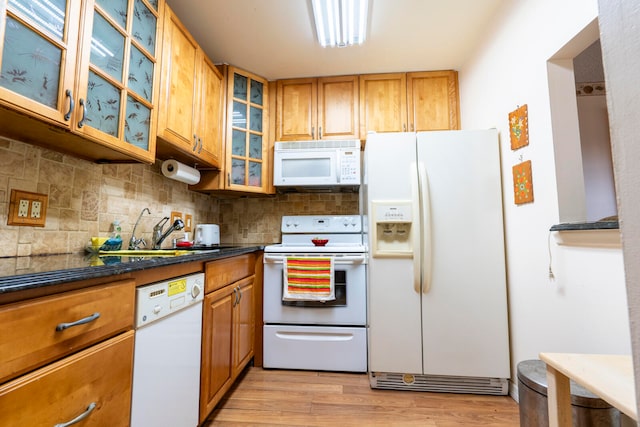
(118, 73)
(38, 57)
(247, 165)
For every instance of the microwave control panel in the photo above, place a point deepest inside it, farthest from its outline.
(350, 167)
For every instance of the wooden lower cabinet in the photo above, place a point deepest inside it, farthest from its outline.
(95, 382)
(217, 345)
(228, 331)
(38, 331)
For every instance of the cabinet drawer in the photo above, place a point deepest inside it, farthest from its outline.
(62, 391)
(34, 332)
(221, 273)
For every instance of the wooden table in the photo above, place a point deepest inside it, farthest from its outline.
(610, 377)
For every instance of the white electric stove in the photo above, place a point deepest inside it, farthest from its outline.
(315, 335)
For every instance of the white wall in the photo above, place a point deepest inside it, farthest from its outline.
(582, 309)
(596, 157)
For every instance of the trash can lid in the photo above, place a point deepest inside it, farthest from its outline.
(533, 373)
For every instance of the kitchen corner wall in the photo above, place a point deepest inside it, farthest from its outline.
(85, 198)
(257, 220)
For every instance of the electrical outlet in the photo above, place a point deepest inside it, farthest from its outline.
(27, 208)
(187, 222)
(23, 208)
(175, 215)
(35, 208)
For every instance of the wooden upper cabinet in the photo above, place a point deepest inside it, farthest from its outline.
(88, 67)
(433, 100)
(408, 102)
(338, 116)
(296, 105)
(37, 67)
(189, 119)
(383, 103)
(317, 108)
(179, 93)
(210, 117)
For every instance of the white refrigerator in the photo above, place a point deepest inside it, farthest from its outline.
(437, 301)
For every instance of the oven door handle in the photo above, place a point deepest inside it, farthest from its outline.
(279, 259)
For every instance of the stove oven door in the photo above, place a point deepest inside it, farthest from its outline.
(349, 307)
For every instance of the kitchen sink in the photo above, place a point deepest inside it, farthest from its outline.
(162, 252)
(145, 252)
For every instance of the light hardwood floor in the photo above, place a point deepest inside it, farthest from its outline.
(305, 398)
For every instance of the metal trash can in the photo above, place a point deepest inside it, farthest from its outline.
(587, 409)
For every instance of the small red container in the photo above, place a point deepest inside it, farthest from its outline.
(320, 242)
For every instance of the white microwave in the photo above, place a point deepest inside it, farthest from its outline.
(317, 164)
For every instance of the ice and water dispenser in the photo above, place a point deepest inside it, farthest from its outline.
(391, 231)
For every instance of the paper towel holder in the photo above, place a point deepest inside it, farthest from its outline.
(173, 169)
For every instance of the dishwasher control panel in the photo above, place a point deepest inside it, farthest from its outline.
(158, 300)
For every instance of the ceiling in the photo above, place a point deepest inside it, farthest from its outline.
(276, 38)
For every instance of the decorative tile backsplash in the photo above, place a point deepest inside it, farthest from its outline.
(85, 198)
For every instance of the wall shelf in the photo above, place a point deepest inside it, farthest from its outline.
(602, 234)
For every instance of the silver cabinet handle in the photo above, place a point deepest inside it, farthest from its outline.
(80, 417)
(200, 142)
(195, 142)
(67, 116)
(239, 294)
(320, 132)
(235, 296)
(313, 132)
(81, 122)
(63, 326)
(404, 127)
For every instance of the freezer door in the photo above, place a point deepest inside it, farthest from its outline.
(395, 336)
(464, 311)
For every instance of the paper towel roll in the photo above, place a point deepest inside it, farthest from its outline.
(180, 172)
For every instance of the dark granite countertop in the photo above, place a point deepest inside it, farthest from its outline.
(593, 225)
(22, 273)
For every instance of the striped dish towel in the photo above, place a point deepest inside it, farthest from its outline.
(308, 279)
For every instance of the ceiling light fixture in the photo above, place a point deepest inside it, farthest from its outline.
(340, 22)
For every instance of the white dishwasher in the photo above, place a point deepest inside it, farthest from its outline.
(166, 359)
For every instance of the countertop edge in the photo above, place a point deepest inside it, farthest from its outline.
(23, 282)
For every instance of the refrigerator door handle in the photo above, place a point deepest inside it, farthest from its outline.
(425, 230)
(415, 229)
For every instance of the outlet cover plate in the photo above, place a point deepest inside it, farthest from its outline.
(21, 208)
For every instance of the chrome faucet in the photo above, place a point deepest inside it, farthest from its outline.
(135, 242)
(159, 236)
